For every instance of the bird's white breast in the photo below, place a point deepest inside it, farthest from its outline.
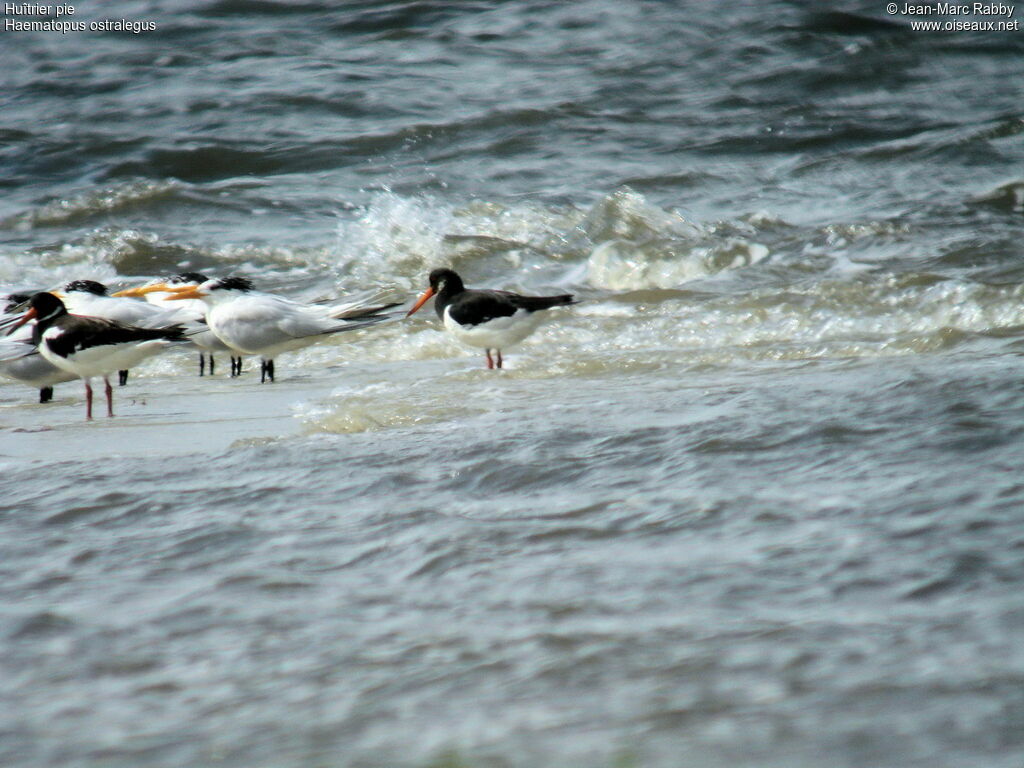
(499, 333)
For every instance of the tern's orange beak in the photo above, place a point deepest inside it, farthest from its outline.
(142, 290)
(30, 315)
(186, 292)
(427, 295)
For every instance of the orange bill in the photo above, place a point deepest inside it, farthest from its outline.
(187, 292)
(142, 290)
(427, 295)
(30, 315)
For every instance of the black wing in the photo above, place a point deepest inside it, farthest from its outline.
(478, 306)
(85, 332)
(475, 307)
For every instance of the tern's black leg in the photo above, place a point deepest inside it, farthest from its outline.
(202, 363)
(122, 378)
(267, 371)
(45, 394)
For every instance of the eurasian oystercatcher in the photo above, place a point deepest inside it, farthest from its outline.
(160, 292)
(92, 346)
(91, 299)
(494, 320)
(256, 323)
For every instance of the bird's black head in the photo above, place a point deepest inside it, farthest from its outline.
(187, 277)
(44, 308)
(444, 284)
(446, 281)
(232, 284)
(86, 286)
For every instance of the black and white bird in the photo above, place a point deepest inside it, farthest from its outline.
(493, 320)
(92, 346)
(161, 293)
(255, 323)
(91, 299)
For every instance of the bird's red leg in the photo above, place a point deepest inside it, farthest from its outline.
(88, 400)
(110, 397)
(499, 358)
(490, 362)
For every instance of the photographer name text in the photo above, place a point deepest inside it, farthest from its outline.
(951, 9)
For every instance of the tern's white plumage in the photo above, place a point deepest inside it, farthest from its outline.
(256, 323)
(90, 298)
(191, 312)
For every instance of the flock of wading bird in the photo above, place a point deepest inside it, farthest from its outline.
(83, 332)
